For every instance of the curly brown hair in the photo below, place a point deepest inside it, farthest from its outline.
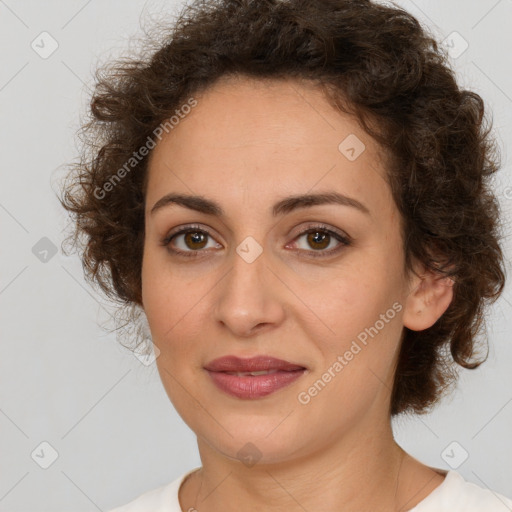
(373, 61)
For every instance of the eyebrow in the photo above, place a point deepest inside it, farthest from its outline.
(283, 206)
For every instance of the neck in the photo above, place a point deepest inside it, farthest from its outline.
(363, 470)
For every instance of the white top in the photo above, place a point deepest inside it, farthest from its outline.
(453, 495)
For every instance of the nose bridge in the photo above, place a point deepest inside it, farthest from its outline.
(249, 295)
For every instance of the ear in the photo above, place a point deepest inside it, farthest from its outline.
(429, 297)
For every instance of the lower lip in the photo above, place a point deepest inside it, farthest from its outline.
(254, 386)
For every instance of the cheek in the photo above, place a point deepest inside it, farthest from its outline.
(173, 301)
(159, 296)
(349, 305)
(358, 337)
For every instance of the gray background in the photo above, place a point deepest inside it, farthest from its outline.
(67, 382)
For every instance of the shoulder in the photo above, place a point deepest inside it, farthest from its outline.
(455, 494)
(160, 499)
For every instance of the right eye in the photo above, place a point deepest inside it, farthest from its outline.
(189, 241)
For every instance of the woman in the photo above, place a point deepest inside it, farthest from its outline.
(295, 194)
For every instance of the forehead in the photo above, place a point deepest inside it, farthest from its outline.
(238, 111)
(262, 138)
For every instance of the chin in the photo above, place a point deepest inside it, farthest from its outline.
(259, 453)
(256, 442)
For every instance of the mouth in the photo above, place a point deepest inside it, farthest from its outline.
(252, 378)
(254, 374)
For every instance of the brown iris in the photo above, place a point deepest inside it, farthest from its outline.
(195, 237)
(317, 240)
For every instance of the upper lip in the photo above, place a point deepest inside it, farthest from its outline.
(252, 364)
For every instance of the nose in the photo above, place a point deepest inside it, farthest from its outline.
(249, 299)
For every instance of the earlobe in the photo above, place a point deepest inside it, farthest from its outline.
(429, 299)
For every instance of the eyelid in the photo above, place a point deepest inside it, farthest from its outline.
(187, 227)
(320, 226)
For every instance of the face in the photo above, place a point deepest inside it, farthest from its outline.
(318, 284)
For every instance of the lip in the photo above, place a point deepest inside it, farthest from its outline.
(250, 364)
(282, 373)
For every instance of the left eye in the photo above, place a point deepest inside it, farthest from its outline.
(322, 241)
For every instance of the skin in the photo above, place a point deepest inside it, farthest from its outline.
(246, 145)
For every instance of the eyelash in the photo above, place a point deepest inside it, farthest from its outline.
(344, 240)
